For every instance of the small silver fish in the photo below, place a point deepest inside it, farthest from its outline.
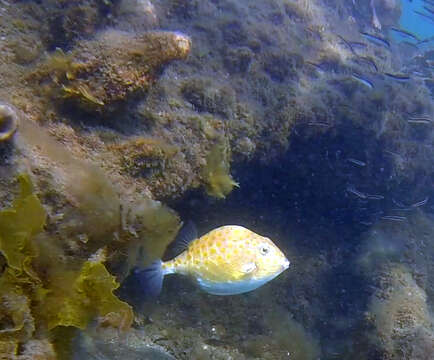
(366, 60)
(362, 80)
(429, 10)
(419, 120)
(376, 40)
(394, 218)
(353, 191)
(420, 203)
(374, 197)
(356, 162)
(398, 77)
(405, 33)
(425, 16)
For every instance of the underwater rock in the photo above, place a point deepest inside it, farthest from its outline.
(41, 291)
(238, 60)
(400, 314)
(9, 119)
(282, 65)
(184, 10)
(206, 96)
(398, 256)
(137, 14)
(234, 33)
(37, 350)
(108, 345)
(257, 58)
(94, 205)
(65, 21)
(145, 157)
(291, 337)
(99, 74)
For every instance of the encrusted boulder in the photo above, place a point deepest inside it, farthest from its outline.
(99, 74)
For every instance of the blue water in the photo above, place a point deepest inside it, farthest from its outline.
(415, 23)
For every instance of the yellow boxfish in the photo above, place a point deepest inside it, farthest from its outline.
(226, 261)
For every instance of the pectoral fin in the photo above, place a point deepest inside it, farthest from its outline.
(248, 267)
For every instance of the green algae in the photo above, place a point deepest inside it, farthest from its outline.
(98, 75)
(156, 226)
(82, 92)
(144, 157)
(59, 66)
(96, 202)
(90, 295)
(18, 224)
(36, 301)
(215, 174)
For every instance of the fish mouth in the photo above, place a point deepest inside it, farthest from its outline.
(285, 264)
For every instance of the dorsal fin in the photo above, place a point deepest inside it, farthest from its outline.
(185, 236)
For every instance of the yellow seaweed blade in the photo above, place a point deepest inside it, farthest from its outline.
(18, 224)
(99, 285)
(216, 172)
(220, 185)
(83, 93)
(67, 297)
(88, 96)
(90, 296)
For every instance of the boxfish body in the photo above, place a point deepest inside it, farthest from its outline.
(226, 261)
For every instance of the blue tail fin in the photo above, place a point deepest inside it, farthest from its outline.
(150, 279)
(141, 285)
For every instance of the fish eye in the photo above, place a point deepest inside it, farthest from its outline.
(264, 249)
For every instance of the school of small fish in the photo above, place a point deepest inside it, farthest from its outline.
(232, 259)
(373, 36)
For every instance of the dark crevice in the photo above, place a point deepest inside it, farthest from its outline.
(306, 197)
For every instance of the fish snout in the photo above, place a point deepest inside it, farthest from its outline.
(285, 264)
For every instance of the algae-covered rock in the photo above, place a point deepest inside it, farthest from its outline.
(35, 299)
(291, 337)
(401, 317)
(9, 120)
(398, 256)
(94, 209)
(107, 345)
(206, 96)
(66, 21)
(137, 14)
(274, 79)
(99, 73)
(145, 157)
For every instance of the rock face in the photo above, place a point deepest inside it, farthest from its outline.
(402, 319)
(9, 120)
(278, 115)
(99, 74)
(398, 258)
(110, 346)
